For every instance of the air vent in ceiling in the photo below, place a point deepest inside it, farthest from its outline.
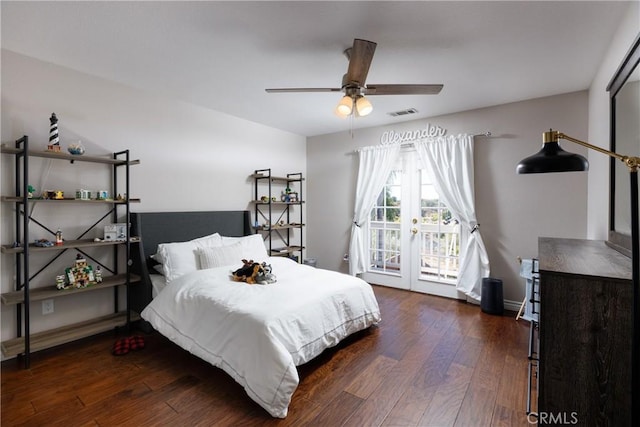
(403, 112)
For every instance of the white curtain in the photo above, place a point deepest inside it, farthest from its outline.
(375, 165)
(449, 161)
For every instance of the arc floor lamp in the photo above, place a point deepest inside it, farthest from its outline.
(552, 158)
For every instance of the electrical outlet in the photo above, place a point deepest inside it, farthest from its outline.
(47, 306)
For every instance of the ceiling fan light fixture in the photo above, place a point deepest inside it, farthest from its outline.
(363, 106)
(345, 106)
(353, 103)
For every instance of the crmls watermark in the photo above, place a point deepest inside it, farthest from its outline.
(553, 418)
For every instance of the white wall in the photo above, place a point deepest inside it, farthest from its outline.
(598, 207)
(513, 210)
(191, 159)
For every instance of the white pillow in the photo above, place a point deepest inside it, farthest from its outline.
(220, 256)
(180, 258)
(214, 239)
(253, 247)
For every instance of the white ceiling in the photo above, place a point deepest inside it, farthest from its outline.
(222, 55)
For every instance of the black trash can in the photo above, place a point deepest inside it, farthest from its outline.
(491, 300)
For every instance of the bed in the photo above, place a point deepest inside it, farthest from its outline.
(258, 334)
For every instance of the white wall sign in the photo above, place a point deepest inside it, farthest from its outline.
(429, 131)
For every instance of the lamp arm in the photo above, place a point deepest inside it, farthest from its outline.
(632, 162)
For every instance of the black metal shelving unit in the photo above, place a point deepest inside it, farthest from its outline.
(275, 215)
(24, 294)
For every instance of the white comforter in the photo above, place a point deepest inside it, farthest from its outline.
(258, 334)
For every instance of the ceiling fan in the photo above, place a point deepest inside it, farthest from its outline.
(360, 56)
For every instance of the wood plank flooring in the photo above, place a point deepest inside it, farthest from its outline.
(430, 362)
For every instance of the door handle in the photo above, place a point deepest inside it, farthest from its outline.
(414, 230)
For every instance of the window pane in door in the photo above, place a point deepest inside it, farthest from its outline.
(384, 226)
(439, 236)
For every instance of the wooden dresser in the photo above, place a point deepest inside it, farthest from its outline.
(585, 333)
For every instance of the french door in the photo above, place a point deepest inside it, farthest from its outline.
(414, 242)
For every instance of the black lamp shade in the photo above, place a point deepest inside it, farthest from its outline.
(552, 158)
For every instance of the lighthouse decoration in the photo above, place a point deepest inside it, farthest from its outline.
(54, 138)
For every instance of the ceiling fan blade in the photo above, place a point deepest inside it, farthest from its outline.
(303, 89)
(402, 89)
(360, 57)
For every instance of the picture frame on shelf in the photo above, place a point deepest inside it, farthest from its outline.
(115, 232)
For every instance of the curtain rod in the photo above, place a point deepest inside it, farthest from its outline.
(486, 134)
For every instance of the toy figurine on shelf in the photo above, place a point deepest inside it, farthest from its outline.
(59, 240)
(43, 243)
(60, 281)
(98, 274)
(76, 149)
(81, 274)
(54, 138)
(30, 190)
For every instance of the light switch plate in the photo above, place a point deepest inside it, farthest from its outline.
(47, 306)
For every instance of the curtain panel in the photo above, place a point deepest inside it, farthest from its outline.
(375, 166)
(449, 161)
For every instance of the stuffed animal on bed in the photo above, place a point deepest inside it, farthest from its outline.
(248, 272)
(265, 276)
(254, 272)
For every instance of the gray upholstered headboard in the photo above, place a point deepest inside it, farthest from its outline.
(164, 227)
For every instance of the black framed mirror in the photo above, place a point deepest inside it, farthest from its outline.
(624, 92)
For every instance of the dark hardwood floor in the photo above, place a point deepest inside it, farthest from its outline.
(430, 362)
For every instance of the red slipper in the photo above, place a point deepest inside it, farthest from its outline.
(136, 342)
(121, 347)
